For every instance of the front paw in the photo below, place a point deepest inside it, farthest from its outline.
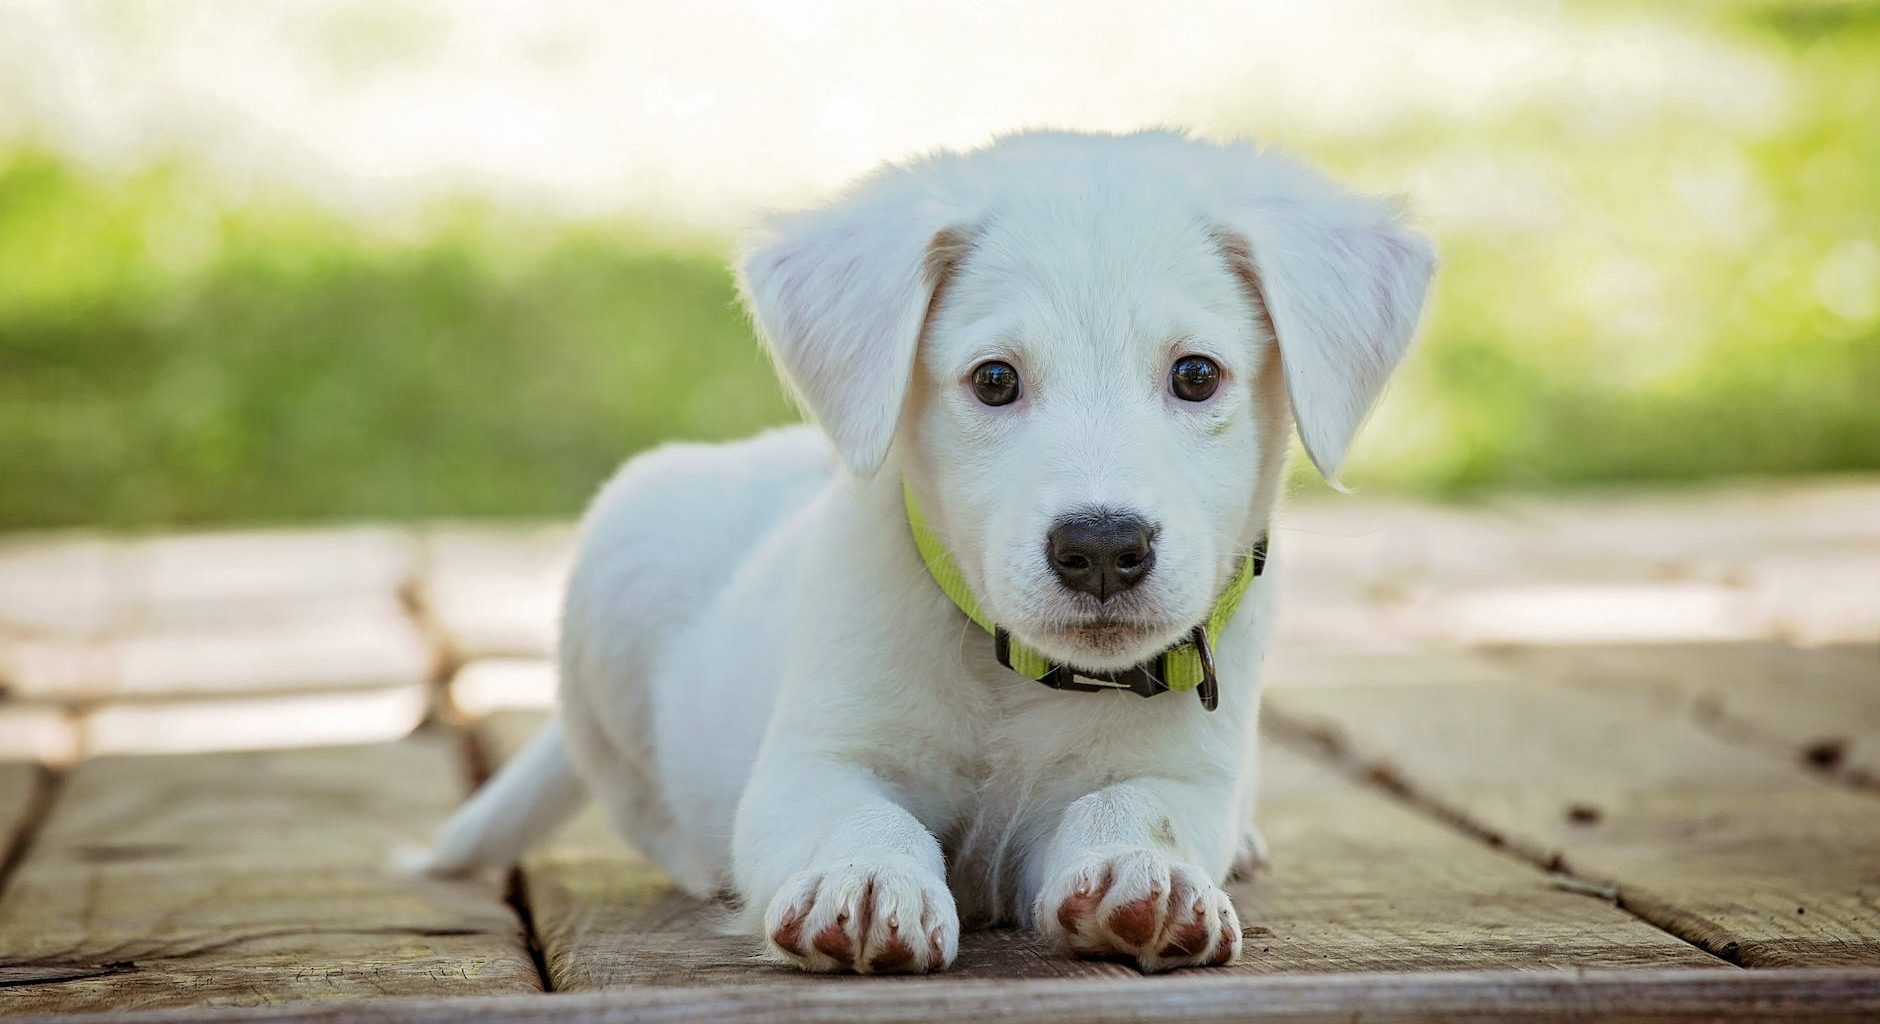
(1136, 904)
(870, 918)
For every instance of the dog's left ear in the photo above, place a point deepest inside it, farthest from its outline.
(1341, 281)
(841, 296)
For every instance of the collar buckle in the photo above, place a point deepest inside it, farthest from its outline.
(1144, 680)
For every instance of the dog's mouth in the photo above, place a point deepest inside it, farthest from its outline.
(1106, 641)
(1107, 626)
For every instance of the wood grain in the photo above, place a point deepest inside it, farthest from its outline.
(1734, 848)
(19, 784)
(1625, 997)
(607, 918)
(1359, 884)
(1820, 706)
(235, 879)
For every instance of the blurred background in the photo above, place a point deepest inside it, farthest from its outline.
(266, 262)
(320, 320)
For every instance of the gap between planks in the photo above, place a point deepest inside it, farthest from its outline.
(446, 661)
(1712, 840)
(1325, 747)
(1791, 702)
(477, 771)
(46, 783)
(1362, 884)
(196, 880)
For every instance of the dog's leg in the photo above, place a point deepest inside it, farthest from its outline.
(849, 879)
(1123, 876)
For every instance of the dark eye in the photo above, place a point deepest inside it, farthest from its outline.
(995, 383)
(1194, 378)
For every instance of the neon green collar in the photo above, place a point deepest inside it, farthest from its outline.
(1188, 665)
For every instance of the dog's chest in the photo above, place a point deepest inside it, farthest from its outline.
(1036, 751)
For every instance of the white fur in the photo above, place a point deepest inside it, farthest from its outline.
(772, 697)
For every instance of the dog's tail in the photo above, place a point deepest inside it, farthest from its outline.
(534, 795)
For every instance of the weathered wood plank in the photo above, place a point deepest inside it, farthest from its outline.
(1623, 997)
(1818, 705)
(488, 685)
(1798, 561)
(58, 583)
(18, 784)
(207, 576)
(1731, 847)
(1359, 884)
(1707, 530)
(32, 731)
(496, 593)
(78, 585)
(89, 618)
(1826, 596)
(607, 918)
(357, 641)
(48, 669)
(1289, 666)
(254, 722)
(236, 879)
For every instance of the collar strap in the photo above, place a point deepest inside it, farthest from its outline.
(1188, 665)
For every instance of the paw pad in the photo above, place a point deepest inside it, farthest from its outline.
(1146, 909)
(851, 919)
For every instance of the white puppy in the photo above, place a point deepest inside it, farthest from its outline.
(1075, 359)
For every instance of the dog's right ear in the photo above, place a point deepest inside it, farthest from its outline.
(841, 295)
(1340, 280)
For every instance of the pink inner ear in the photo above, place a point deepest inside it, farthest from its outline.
(1341, 297)
(945, 253)
(842, 296)
(1240, 261)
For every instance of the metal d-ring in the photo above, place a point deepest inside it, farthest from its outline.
(1210, 689)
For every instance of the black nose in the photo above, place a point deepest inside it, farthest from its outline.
(1101, 552)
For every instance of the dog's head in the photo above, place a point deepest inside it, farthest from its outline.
(1083, 354)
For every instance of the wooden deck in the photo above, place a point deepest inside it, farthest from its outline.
(1613, 757)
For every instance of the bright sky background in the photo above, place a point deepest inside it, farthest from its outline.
(699, 112)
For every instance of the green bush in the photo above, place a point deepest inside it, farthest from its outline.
(1669, 295)
(281, 367)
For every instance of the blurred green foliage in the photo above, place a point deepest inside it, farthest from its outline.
(1655, 299)
(165, 361)
(1657, 294)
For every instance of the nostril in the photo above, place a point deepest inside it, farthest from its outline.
(1101, 551)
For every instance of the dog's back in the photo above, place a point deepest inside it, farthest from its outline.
(661, 544)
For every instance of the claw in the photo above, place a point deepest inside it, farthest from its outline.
(1146, 909)
(843, 932)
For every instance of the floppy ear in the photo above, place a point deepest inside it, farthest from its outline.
(840, 295)
(1341, 282)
